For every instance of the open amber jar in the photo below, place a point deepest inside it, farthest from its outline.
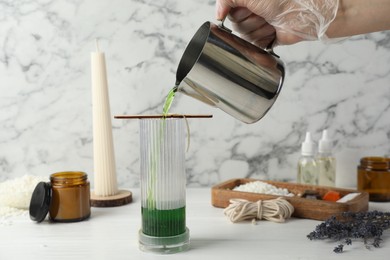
(70, 197)
(66, 197)
(374, 177)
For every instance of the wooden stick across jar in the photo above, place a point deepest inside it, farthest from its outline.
(161, 116)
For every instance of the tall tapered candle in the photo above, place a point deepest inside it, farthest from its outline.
(105, 182)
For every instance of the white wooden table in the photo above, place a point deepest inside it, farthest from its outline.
(112, 233)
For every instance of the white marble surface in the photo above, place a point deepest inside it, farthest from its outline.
(112, 233)
(45, 92)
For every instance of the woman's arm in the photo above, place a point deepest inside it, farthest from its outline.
(359, 17)
(297, 20)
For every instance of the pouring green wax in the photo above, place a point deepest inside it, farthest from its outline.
(154, 156)
(169, 100)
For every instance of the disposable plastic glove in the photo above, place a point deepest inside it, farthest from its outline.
(292, 20)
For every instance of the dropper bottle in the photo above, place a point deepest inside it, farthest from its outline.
(307, 166)
(326, 161)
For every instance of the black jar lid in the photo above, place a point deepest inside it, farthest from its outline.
(40, 201)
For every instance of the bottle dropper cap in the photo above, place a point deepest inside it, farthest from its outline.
(325, 144)
(307, 145)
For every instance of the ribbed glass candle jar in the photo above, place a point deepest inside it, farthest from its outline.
(163, 185)
(374, 177)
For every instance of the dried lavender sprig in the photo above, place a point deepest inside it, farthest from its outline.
(368, 226)
(339, 248)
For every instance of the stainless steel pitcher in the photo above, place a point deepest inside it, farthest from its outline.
(225, 71)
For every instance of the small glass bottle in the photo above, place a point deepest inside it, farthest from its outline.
(70, 201)
(374, 177)
(307, 166)
(326, 162)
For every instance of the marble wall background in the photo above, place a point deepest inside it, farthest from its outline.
(45, 93)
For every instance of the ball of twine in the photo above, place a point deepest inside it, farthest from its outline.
(276, 210)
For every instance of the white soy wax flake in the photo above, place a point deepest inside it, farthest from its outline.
(263, 187)
(16, 193)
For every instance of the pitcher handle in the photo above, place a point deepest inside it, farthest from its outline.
(270, 48)
(222, 26)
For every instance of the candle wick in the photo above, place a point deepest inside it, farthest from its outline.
(97, 45)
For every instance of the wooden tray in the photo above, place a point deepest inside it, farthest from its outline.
(303, 208)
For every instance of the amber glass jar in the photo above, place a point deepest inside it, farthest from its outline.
(374, 177)
(70, 200)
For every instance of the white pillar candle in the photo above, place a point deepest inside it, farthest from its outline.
(105, 182)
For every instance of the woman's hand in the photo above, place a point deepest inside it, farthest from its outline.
(290, 21)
